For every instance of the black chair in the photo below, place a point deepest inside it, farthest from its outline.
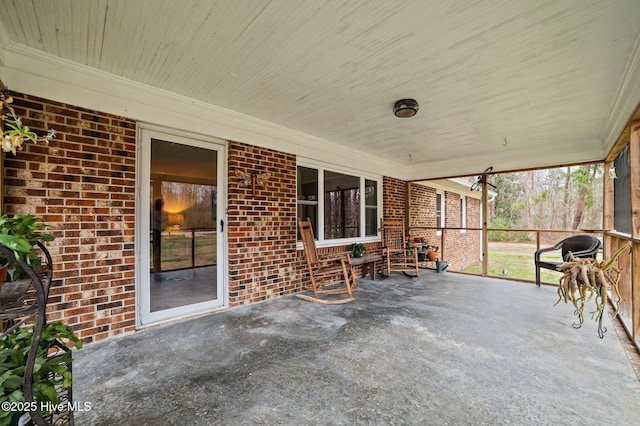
(583, 245)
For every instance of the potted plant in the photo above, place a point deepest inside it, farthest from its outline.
(19, 234)
(410, 247)
(357, 249)
(15, 134)
(51, 375)
(52, 372)
(432, 251)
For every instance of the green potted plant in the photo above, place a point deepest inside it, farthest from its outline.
(20, 234)
(52, 370)
(357, 249)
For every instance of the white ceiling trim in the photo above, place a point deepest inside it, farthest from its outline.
(626, 100)
(458, 186)
(51, 77)
(563, 154)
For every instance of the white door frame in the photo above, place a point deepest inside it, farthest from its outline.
(144, 316)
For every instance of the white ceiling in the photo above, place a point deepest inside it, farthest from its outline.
(503, 83)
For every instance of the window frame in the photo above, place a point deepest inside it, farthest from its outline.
(463, 213)
(363, 177)
(440, 223)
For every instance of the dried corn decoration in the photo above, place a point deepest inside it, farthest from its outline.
(585, 278)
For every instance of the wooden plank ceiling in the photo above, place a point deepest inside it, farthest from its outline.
(502, 83)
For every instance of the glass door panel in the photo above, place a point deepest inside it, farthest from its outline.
(183, 274)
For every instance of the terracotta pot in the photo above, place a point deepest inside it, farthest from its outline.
(432, 255)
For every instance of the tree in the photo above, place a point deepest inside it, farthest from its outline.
(559, 198)
(509, 201)
(583, 179)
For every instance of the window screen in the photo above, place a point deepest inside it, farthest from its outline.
(622, 193)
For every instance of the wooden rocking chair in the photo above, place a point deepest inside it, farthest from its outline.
(331, 270)
(395, 255)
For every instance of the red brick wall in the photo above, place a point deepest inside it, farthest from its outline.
(394, 194)
(474, 207)
(83, 184)
(263, 261)
(461, 249)
(423, 213)
(472, 238)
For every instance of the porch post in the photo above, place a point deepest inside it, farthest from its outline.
(634, 154)
(485, 235)
(608, 199)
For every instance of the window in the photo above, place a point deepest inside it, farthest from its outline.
(463, 213)
(622, 193)
(439, 211)
(371, 207)
(308, 196)
(334, 200)
(341, 206)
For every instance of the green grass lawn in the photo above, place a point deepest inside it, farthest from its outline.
(176, 250)
(518, 266)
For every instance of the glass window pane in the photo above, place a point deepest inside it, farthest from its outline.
(371, 192)
(371, 213)
(308, 211)
(307, 194)
(341, 206)
(371, 227)
(622, 192)
(307, 184)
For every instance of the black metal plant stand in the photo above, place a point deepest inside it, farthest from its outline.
(26, 303)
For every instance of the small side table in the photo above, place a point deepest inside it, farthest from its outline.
(368, 262)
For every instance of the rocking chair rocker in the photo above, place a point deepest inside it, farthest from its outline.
(330, 274)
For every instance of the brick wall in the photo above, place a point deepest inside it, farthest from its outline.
(83, 184)
(473, 238)
(263, 261)
(423, 213)
(460, 249)
(394, 194)
(474, 207)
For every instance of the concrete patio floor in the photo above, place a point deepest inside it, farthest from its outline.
(442, 349)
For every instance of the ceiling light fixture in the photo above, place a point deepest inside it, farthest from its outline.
(405, 108)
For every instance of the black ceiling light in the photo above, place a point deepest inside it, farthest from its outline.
(405, 108)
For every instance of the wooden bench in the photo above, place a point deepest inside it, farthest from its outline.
(368, 262)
